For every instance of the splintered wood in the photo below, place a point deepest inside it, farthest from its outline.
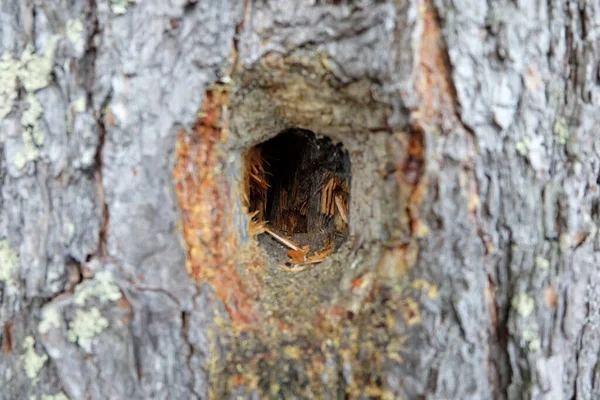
(296, 189)
(300, 258)
(334, 201)
(255, 182)
(256, 226)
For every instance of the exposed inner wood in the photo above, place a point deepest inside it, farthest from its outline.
(297, 188)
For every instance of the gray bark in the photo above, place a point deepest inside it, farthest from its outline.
(499, 255)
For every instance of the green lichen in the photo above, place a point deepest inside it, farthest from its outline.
(30, 117)
(9, 71)
(57, 396)
(524, 304)
(74, 31)
(32, 361)
(50, 319)
(34, 72)
(79, 105)
(102, 287)
(542, 263)
(561, 130)
(85, 326)
(119, 7)
(33, 137)
(522, 146)
(20, 159)
(532, 340)
(8, 262)
(68, 231)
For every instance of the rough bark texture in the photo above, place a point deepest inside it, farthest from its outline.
(126, 266)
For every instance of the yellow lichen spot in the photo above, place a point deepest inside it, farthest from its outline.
(524, 304)
(324, 58)
(411, 312)
(293, 352)
(432, 290)
(421, 230)
(274, 389)
(395, 347)
(32, 361)
(473, 201)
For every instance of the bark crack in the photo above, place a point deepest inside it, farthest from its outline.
(579, 349)
(448, 70)
(98, 112)
(185, 326)
(238, 32)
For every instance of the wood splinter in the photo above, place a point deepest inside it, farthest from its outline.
(282, 240)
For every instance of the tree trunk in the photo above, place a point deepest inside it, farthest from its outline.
(129, 264)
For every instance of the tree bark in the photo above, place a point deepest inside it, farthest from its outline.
(127, 267)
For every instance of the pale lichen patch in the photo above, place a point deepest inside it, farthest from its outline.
(74, 31)
(32, 361)
(8, 262)
(50, 319)
(119, 7)
(85, 326)
(79, 105)
(564, 241)
(432, 290)
(57, 396)
(524, 304)
(561, 130)
(9, 71)
(522, 146)
(542, 263)
(32, 70)
(532, 340)
(33, 137)
(102, 287)
(36, 70)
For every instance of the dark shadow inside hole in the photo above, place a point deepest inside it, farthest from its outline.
(301, 187)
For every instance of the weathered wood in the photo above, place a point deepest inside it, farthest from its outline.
(126, 266)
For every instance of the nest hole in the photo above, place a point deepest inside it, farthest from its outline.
(298, 194)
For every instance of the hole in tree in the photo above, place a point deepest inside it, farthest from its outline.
(297, 193)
